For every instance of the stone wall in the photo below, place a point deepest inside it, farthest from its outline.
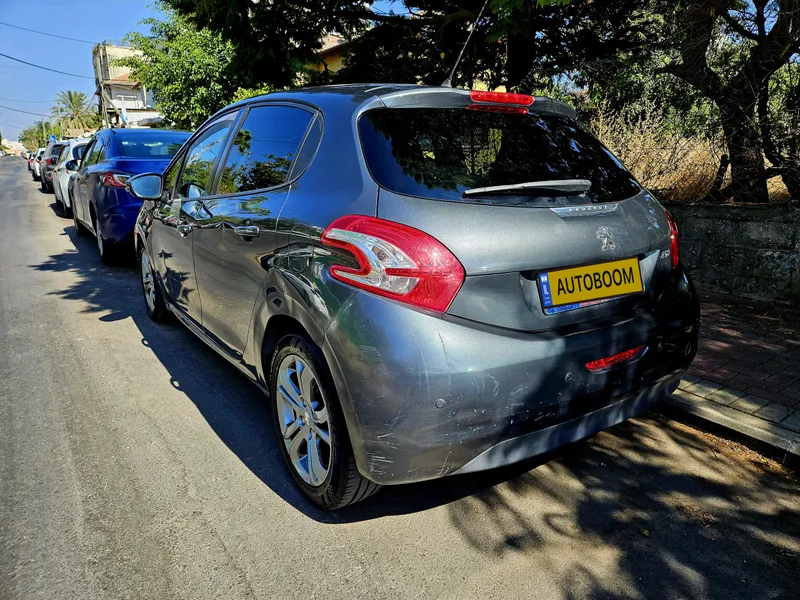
(746, 251)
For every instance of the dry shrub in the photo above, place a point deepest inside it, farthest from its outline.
(672, 166)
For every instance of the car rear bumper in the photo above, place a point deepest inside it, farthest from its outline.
(119, 216)
(425, 397)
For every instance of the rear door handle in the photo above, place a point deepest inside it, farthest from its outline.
(184, 229)
(247, 230)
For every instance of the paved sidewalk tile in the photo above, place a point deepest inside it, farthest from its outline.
(792, 422)
(773, 412)
(725, 396)
(703, 388)
(687, 380)
(749, 404)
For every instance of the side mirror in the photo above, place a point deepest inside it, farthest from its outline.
(73, 165)
(146, 186)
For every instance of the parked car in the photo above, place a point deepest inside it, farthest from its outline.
(49, 159)
(31, 157)
(426, 281)
(36, 170)
(102, 206)
(2, 153)
(66, 166)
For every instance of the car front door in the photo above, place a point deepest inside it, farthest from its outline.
(175, 217)
(79, 187)
(237, 236)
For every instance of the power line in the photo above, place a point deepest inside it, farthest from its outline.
(24, 111)
(10, 125)
(24, 101)
(44, 68)
(61, 37)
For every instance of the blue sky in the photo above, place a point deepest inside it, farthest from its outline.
(95, 20)
(29, 89)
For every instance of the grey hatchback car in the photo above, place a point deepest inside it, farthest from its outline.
(425, 281)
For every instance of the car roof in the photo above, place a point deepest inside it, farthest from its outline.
(359, 96)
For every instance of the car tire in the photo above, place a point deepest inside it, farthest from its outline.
(105, 249)
(43, 184)
(66, 211)
(293, 407)
(151, 289)
(80, 230)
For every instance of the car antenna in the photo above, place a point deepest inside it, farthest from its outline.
(449, 81)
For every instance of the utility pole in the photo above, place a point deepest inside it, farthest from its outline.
(44, 135)
(60, 130)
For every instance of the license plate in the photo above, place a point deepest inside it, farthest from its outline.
(583, 286)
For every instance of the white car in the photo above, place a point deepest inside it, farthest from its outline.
(73, 151)
(37, 164)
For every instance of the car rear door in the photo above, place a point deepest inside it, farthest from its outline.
(81, 186)
(175, 218)
(236, 239)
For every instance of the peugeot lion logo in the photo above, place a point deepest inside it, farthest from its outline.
(606, 238)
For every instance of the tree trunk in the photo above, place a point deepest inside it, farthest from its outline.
(748, 174)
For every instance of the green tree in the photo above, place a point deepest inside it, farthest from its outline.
(729, 50)
(188, 69)
(75, 111)
(35, 136)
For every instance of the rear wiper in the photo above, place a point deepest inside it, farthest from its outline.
(554, 187)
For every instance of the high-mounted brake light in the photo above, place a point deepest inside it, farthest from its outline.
(674, 245)
(396, 261)
(115, 180)
(611, 361)
(500, 98)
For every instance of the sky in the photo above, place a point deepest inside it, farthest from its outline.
(34, 90)
(30, 89)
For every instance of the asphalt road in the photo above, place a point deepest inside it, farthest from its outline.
(135, 463)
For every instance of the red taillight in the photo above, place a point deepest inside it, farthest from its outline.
(396, 261)
(674, 245)
(610, 361)
(500, 97)
(115, 180)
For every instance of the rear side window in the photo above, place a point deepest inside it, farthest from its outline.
(440, 153)
(158, 144)
(264, 148)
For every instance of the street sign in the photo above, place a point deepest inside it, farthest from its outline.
(52, 138)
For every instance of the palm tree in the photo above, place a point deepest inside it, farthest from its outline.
(76, 110)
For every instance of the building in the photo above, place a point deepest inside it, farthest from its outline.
(331, 56)
(12, 147)
(123, 102)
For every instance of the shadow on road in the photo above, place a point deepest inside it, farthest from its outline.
(672, 511)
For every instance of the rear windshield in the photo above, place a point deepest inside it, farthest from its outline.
(152, 144)
(77, 151)
(56, 149)
(439, 153)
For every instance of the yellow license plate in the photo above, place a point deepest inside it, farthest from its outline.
(593, 282)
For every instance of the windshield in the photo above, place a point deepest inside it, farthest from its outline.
(152, 144)
(440, 153)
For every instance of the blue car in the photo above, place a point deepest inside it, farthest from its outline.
(102, 205)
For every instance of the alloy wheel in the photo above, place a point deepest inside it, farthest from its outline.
(304, 421)
(148, 283)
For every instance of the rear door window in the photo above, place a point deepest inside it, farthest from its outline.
(264, 148)
(439, 153)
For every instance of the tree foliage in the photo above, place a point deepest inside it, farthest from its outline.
(189, 69)
(35, 136)
(75, 111)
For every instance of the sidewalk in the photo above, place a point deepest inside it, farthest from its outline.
(746, 376)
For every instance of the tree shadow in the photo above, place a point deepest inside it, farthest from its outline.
(665, 509)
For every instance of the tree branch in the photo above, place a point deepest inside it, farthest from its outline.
(737, 27)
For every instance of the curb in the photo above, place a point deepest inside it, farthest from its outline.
(740, 422)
